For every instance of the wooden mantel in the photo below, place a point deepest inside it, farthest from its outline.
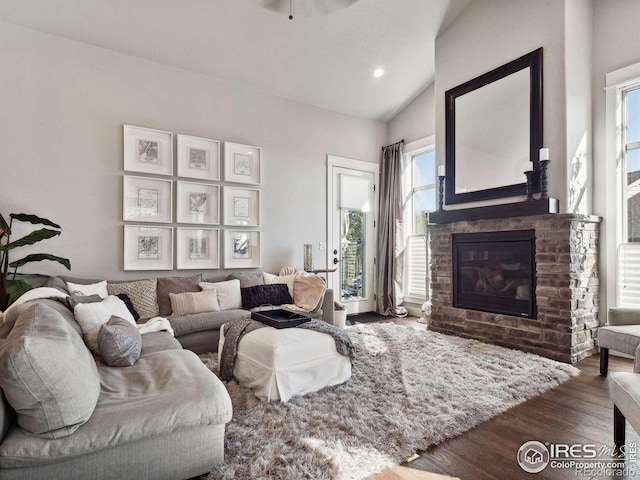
(505, 210)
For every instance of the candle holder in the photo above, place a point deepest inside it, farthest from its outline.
(529, 184)
(544, 180)
(308, 257)
(440, 192)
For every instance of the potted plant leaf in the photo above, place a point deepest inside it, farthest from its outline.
(10, 287)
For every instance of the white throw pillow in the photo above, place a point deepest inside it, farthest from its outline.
(91, 316)
(289, 280)
(229, 297)
(99, 288)
(188, 303)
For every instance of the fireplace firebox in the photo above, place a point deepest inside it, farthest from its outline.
(495, 272)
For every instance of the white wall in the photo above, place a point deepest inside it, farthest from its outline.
(615, 45)
(578, 48)
(63, 105)
(490, 33)
(417, 120)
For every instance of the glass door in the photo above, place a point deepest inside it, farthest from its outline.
(352, 236)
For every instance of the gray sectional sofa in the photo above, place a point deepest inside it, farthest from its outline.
(78, 418)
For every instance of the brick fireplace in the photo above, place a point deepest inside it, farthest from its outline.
(566, 286)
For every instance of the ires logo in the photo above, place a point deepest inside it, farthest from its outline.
(534, 456)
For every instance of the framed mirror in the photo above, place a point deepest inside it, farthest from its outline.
(494, 132)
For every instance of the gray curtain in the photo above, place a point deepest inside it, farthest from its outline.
(390, 234)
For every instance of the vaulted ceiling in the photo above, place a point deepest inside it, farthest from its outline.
(325, 56)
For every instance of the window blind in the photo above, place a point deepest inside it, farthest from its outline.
(416, 268)
(629, 274)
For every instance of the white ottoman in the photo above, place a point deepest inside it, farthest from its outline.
(278, 364)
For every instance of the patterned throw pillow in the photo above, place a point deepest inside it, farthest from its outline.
(189, 303)
(119, 342)
(91, 316)
(143, 295)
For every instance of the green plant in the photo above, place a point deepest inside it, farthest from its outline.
(10, 288)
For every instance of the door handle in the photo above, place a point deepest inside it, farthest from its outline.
(335, 260)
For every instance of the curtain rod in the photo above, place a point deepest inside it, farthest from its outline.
(394, 144)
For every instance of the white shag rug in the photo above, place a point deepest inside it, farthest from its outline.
(410, 388)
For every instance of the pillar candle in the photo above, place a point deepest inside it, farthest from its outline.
(441, 170)
(544, 154)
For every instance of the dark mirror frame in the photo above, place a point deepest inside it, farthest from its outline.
(533, 61)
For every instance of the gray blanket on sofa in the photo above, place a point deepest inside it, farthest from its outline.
(236, 329)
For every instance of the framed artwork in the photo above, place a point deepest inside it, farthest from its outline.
(242, 163)
(147, 199)
(148, 151)
(148, 248)
(241, 206)
(241, 248)
(197, 248)
(198, 158)
(197, 203)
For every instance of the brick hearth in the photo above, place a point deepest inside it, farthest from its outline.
(566, 287)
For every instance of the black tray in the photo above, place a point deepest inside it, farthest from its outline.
(280, 318)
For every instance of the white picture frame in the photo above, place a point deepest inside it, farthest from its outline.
(148, 248)
(146, 199)
(241, 248)
(242, 163)
(197, 248)
(241, 206)
(198, 157)
(147, 150)
(197, 203)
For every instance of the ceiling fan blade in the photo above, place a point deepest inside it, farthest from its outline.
(278, 6)
(305, 8)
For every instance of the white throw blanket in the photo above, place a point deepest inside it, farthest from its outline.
(155, 324)
(34, 294)
(308, 290)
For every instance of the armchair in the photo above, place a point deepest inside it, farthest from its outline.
(621, 334)
(624, 391)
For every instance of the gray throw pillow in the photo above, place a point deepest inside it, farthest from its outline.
(73, 301)
(167, 285)
(119, 342)
(247, 280)
(47, 374)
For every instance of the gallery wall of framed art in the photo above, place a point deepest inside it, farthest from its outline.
(214, 201)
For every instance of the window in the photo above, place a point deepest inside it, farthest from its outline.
(629, 214)
(420, 195)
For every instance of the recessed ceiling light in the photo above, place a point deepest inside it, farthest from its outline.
(378, 72)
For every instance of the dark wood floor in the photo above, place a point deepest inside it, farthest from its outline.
(578, 411)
